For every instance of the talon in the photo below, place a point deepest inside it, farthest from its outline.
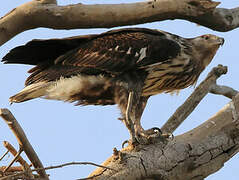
(125, 142)
(154, 132)
(147, 136)
(151, 135)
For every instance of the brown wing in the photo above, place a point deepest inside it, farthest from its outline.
(110, 53)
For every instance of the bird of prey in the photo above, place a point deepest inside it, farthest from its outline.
(123, 67)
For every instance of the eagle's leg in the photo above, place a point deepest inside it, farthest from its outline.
(132, 105)
(134, 111)
(128, 120)
(142, 136)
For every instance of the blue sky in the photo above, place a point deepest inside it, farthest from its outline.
(61, 132)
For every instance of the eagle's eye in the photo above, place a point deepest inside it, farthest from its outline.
(206, 37)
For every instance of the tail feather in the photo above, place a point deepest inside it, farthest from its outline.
(30, 92)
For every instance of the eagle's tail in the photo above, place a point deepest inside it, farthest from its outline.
(30, 92)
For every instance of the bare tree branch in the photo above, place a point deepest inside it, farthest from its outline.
(223, 90)
(22, 140)
(193, 155)
(14, 160)
(220, 19)
(1, 158)
(11, 169)
(193, 100)
(14, 153)
(61, 166)
(74, 163)
(46, 13)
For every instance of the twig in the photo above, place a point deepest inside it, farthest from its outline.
(73, 163)
(193, 100)
(1, 158)
(25, 165)
(23, 141)
(12, 176)
(11, 169)
(14, 159)
(60, 166)
(223, 90)
(14, 152)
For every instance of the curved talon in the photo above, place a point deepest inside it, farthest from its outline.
(172, 137)
(125, 142)
(147, 136)
(151, 135)
(154, 132)
(169, 136)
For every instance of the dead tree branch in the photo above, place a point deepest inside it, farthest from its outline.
(46, 13)
(55, 167)
(22, 140)
(13, 151)
(193, 100)
(197, 153)
(11, 169)
(223, 90)
(73, 163)
(1, 158)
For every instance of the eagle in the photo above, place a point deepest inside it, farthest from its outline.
(124, 67)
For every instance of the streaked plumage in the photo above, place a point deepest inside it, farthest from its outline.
(102, 69)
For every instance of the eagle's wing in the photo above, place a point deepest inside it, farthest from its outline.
(110, 53)
(121, 52)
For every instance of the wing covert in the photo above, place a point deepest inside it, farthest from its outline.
(118, 53)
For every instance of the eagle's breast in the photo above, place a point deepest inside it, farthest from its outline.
(171, 75)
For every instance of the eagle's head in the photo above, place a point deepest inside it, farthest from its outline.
(205, 47)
